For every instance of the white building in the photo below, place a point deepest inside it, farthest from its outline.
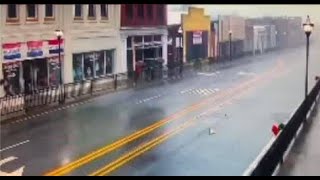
(259, 39)
(231, 23)
(29, 56)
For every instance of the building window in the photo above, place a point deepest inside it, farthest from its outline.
(12, 12)
(140, 11)
(49, 11)
(104, 11)
(89, 59)
(109, 61)
(99, 64)
(54, 71)
(32, 12)
(150, 11)
(147, 38)
(129, 42)
(78, 11)
(157, 38)
(129, 11)
(77, 67)
(92, 65)
(91, 11)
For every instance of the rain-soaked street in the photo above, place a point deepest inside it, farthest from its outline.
(214, 123)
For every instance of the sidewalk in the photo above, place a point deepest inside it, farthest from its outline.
(304, 158)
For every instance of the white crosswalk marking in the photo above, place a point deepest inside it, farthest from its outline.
(200, 91)
(207, 91)
(149, 99)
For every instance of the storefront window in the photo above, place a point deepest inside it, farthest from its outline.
(109, 61)
(139, 55)
(147, 38)
(157, 38)
(129, 42)
(99, 64)
(137, 39)
(54, 71)
(92, 64)
(77, 67)
(35, 74)
(89, 59)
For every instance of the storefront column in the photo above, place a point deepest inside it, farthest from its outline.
(1, 76)
(164, 39)
(120, 59)
(1, 71)
(1, 55)
(67, 73)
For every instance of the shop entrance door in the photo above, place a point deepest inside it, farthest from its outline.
(35, 74)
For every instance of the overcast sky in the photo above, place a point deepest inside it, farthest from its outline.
(252, 11)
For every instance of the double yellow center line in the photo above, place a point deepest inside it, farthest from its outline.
(127, 157)
(118, 144)
(140, 150)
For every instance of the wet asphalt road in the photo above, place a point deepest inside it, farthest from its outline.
(242, 122)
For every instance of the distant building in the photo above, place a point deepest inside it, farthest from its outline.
(185, 7)
(29, 48)
(236, 26)
(175, 44)
(144, 38)
(196, 28)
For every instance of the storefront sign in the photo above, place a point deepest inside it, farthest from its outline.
(11, 70)
(197, 37)
(11, 75)
(35, 48)
(11, 51)
(54, 46)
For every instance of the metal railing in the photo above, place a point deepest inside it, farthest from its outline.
(51, 95)
(275, 154)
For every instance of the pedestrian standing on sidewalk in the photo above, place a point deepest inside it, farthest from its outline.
(7, 87)
(181, 67)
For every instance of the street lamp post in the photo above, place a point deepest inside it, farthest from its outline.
(307, 27)
(59, 35)
(180, 55)
(230, 45)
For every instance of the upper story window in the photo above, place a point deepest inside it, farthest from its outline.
(49, 11)
(129, 11)
(150, 11)
(104, 11)
(78, 11)
(91, 11)
(140, 10)
(12, 12)
(32, 12)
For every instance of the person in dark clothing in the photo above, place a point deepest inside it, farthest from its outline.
(181, 67)
(7, 87)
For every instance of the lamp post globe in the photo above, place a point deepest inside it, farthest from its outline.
(308, 28)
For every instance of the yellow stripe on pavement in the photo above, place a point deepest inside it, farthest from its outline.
(63, 170)
(140, 150)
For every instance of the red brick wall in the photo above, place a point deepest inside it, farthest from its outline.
(158, 18)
